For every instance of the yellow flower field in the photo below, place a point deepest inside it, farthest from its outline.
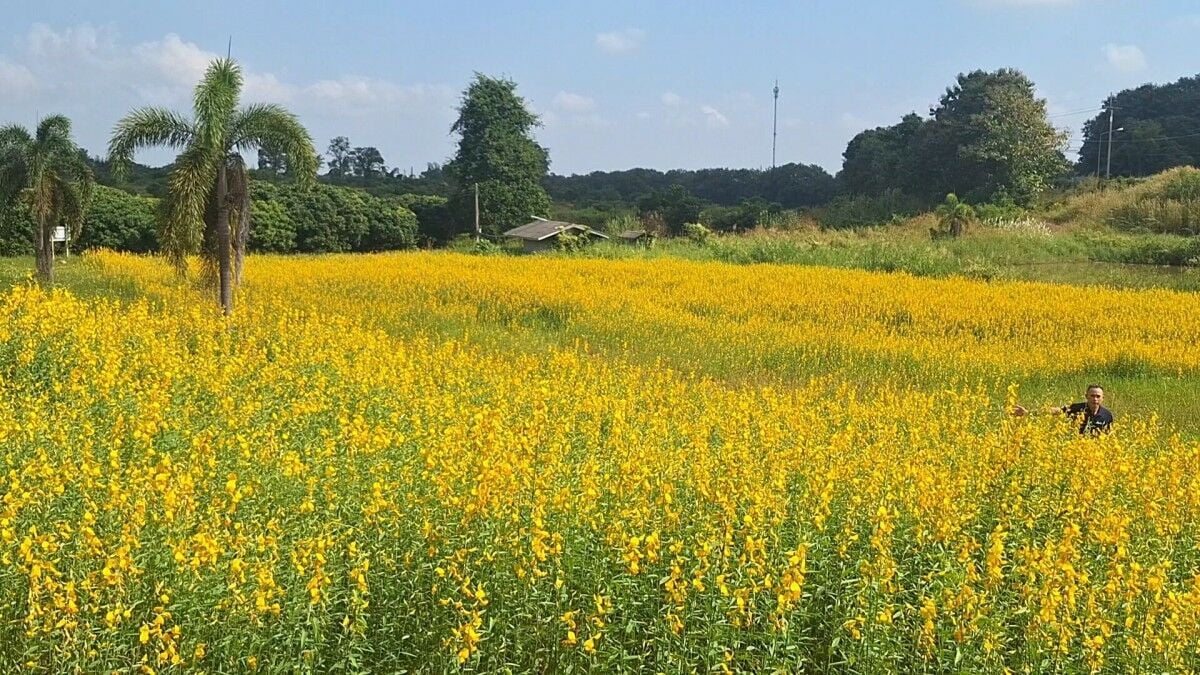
(430, 462)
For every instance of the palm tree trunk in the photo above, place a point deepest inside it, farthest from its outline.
(224, 247)
(239, 249)
(45, 253)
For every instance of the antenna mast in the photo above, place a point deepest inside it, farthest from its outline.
(775, 125)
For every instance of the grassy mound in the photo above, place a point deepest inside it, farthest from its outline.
(1166, 203)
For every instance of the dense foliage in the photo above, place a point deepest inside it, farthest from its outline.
(120, 221)
(789, 185)
(290, 218)
(988, 137)
(1161, 129)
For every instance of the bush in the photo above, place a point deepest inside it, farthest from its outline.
(696, 232)
(327, 219)
(433, 216)
(115, 220)
(16, 231)
(120, 221)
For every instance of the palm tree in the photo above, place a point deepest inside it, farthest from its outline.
(48, 175)
(954, 214)
(207, 208)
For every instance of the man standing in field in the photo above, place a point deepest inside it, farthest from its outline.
(1093, 418)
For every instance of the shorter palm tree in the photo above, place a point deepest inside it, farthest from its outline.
(207, 208)
(46, 173)
(954, 215)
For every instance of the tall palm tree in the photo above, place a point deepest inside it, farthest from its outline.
(207, 208)
(46, 172)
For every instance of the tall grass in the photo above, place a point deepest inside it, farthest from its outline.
(1168, 203)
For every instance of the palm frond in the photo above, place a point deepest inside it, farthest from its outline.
(14, 135)
(15, 147)
(215, 100)
(147, 127)
(239, 212)
(53, 126)
(190, 187)
(271, 126)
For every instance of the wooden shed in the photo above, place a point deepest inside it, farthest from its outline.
(541, 235)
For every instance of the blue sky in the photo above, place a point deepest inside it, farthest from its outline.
(618, 84)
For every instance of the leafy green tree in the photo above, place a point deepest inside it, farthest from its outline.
(954, 215)
(1162, 130)
(881, 159)
(990, 132)
(208, 205)
(339, 156)
(48, 175)
(367, 162)
(497, 152)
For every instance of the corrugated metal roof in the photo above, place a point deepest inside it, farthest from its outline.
(544, 229)
(632, 234)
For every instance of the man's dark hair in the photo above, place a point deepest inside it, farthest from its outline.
(1093, 386)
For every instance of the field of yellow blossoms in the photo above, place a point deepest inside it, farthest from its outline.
(426, 462)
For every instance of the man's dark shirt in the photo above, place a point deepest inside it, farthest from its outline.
(1089, 423)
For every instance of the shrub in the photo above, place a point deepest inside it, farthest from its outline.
(696, 232)
(120, 221)
(862, 211)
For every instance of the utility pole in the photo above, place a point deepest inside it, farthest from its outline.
(775, 124)
(477, 230)
(1108, 164)
(1100, 139)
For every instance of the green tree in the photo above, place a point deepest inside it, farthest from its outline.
(48, 176)
(497, 152)
(207, 208)
(1162, 130)
(990, 133)
(954, 215)
(367, 162)
(339, 156)
(881, 159)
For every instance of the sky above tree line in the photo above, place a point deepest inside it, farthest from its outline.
(619, 84)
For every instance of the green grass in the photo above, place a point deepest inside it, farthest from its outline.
(73, 274)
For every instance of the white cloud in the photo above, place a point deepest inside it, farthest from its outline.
(93, 77)
(620, 41)
(179, 62)
(1126, 58)
(713, 117)
(15, 79)
(672, 99)
(573, 103)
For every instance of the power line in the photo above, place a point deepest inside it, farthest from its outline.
(1074, 112)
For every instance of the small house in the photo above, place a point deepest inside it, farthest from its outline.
(542, 235)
